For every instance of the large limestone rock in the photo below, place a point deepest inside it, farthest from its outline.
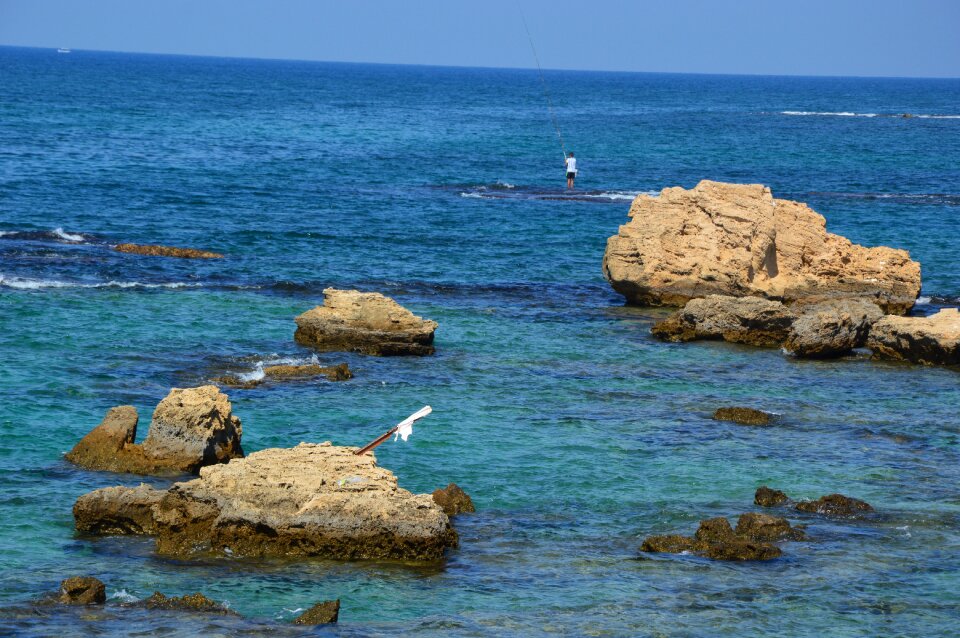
(928, 340)
(367, 322)
(117, 510)
(191, 428)
(831, 329)
(750, 320)
(311, 500)
(736, 239)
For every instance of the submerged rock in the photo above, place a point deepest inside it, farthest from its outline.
(750, 320)
(311, 500)
(190, 428)
(668, 544)
(191, 602)
(453, 500)
(763, 527)
(767, 497)
(832, 328)
(933, 340)
(82, 590)
(367, 322)
(715, 539)
(166, 251)
(835, 505)
(320, 614)
(117, 510)
(339, 372)
(736, 239)
(743, 416)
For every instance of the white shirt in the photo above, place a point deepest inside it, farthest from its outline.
(571, 164)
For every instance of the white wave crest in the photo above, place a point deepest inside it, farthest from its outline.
(834, 113)
(24, 283)
(922, 116)
(505, 184)
(123, 596)
(75, 237)
(257, 373)
(475, 196)
(923, 300)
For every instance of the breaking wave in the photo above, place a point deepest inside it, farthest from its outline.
(922, 116)
(57, 234)
(24, 283)
(528, 193)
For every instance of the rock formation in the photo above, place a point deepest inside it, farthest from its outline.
(82, 590)
(927, 340)
(835, 505)
(743, 416)
(750, 320)
(806, 330)
(311, 500)
(190, 428)
(736, 239)
(367, 322)
(453, 500)
(339, 372)
(768, 497)
(320, 614)
(752, 539)
(166, 251)
(117, 510)
(190, 602)
(831, 329)
(829, 505)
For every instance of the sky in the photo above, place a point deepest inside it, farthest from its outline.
(912, 38)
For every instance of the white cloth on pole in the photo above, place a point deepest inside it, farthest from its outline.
(405, 429)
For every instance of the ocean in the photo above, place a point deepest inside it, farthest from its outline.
(575, 432)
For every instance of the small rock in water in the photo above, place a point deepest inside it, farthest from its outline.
(367, 322)
(453, 500)
(117, 510)
(668, 544)
(742, 550)
(320, 614)
(835, 505)
(763, 527)
(749, 320)
(768, 497)
(340, 372)
(743, 416)
(715, 530)
(166, 251)
(831, 328)
(190, 602)
(82, 590)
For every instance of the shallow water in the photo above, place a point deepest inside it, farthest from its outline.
(576, 434)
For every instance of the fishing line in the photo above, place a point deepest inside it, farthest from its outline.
(546, 89)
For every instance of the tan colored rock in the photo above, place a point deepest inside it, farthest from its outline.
(339, 372)
(750, 320)
(320, 614)
(194, 427)
(311, 500)
(933, 340)
(166, 251)
(832, 328)
(453, 500)
(117, 510)
(82, 590)
(191, 602)
(367, 322)
(191, 428)
(736, 239)
(769, 497)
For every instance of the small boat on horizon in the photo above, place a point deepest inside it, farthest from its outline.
(63, 50)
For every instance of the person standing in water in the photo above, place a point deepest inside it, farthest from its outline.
(571, 163)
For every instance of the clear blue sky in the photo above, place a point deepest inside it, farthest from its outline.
(808, 37)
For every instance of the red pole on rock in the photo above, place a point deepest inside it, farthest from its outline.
(406, 424)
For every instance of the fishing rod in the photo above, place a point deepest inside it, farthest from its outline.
(543, 82)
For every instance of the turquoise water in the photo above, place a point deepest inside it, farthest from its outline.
(576, 434)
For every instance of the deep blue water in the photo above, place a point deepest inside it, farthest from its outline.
(576, 433)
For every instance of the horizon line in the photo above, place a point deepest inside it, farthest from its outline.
(488, 68)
